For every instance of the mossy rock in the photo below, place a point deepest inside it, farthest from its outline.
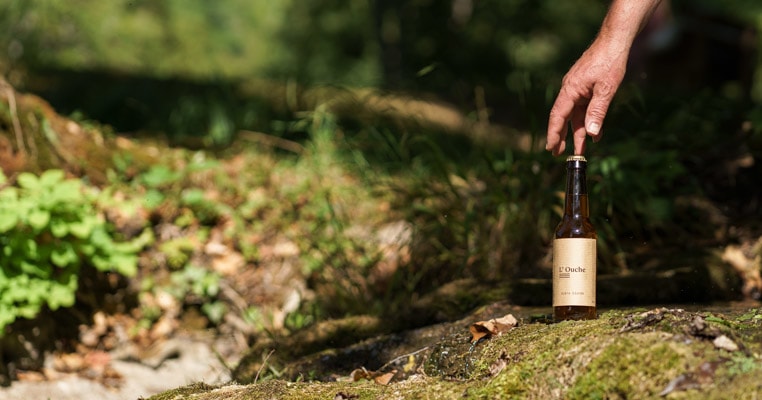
(670, 353)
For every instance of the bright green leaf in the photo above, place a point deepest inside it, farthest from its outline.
(51, 177)
(28, 180)
(38, 219)
(153, 198)
(8, 221)
(33, 269)
(59, 228)
(82, 229)
(126, 264)
(63, 255)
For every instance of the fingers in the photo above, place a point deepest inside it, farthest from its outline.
(579, 132)
(603, 93)
(560, 114)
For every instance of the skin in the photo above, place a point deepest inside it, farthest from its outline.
(591, 83)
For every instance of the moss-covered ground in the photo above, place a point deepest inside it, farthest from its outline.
(624, 354)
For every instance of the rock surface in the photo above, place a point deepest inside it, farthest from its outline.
(633, 353)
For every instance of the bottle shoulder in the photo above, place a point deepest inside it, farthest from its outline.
(575, 228)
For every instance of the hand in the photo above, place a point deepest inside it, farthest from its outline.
(585, 95)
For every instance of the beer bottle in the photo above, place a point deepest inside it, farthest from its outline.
(574, 250)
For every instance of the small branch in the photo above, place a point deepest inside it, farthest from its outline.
(272, 141)
(401, 357)
(264, 363)
(14, 115)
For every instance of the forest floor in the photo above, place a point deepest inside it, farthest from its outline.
(670, 352)
(240, 231)
(190, 360)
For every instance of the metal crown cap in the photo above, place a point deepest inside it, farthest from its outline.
(576, 158)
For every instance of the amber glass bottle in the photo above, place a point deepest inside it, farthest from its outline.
(574, 250)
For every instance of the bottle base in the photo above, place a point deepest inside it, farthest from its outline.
(575, 313)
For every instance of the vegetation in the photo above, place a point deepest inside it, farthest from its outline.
(272, 165)
(49, 228)
(670, 353)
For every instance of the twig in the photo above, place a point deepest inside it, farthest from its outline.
(14, 115)
(272, 141)
(401, 357)
(264, 363)
(232, 295)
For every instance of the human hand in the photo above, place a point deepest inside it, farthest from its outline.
(585, 95)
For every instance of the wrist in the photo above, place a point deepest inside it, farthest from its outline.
(623, 22)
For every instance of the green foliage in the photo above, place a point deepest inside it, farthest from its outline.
(49, 227)
(197, 285)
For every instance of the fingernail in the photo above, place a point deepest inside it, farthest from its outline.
(593, 128)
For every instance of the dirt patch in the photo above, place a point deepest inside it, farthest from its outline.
(188, 360)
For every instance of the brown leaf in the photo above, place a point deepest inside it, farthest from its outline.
(385, 378)
(30, 376)
(359, 374)
(68, 362)
(382, 378)
(97, 359)
(493, 327)
(499, 364)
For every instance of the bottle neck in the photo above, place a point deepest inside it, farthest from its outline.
(576, 205)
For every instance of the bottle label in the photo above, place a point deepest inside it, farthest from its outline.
(574, 272)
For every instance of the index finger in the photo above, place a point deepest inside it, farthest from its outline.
(560, 114)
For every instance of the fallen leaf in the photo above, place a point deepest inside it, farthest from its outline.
(499, 364)
(69, 362)
(385, 378)
(30, 376)
(97, 360)
(382, 378)
(359, 374)
(492, 327)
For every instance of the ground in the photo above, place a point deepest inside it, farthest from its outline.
(675, 353)
(679, 353)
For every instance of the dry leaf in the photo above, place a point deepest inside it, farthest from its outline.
(359, 374)
(382, 378)
(385, 378)
(30, 376)
(68, 362)
(493, 327)
(499, 364)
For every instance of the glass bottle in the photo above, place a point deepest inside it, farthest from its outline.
(574, 250)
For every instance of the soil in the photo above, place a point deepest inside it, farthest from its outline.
(185, 360)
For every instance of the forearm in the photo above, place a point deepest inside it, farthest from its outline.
(624, 20)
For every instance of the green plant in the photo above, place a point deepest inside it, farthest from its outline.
(198, 285)
(49, 227)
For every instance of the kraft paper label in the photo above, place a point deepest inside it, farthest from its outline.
(574, 272)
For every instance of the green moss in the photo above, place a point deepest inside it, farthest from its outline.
(643, 365)
(571, 360)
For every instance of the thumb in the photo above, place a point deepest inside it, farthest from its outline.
(597, 108)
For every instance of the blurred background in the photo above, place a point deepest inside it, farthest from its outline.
(398, 146)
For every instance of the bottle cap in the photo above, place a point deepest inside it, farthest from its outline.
(576, 158)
